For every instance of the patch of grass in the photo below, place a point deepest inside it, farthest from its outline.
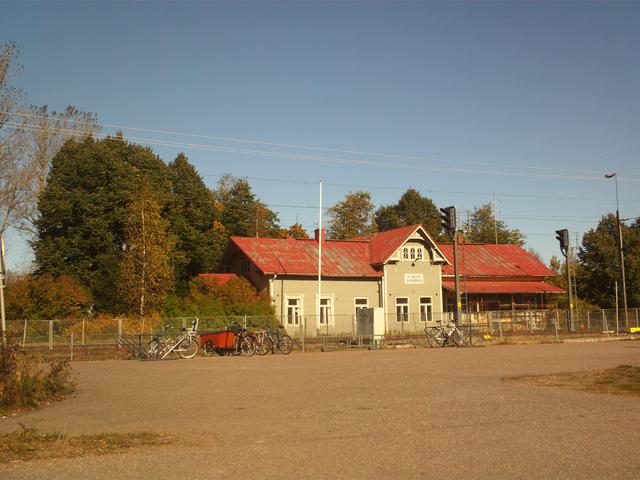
(620, 380)
(29, 444)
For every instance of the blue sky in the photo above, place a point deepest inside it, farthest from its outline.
(532, 101)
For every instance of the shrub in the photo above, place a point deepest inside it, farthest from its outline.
(207, 297)
(46, 297)
(25, 384)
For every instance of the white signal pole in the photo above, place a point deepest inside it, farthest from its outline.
(319, 255)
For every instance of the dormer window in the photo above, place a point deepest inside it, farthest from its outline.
(413, 254)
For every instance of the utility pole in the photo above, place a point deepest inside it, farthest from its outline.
(563, 237)
(2, 284)
(449, 224)
(621, 273)
(495, 218)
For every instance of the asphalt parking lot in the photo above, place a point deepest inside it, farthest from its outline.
(423, 413)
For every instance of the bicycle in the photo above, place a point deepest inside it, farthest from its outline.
(270, 340)
(445, 335)
(185, 344)
(243, 344)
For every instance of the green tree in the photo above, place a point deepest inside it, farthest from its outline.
(411, 209)
(192, 213)
(243, 214)
(352, 217)
(598, 257)
(483, 227)
(84, 210)
(146, 275)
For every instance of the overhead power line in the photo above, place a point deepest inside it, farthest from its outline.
(345, 161)
(429, 190)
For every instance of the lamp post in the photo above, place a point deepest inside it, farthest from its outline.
(620, 251)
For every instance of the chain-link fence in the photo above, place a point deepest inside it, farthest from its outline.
(330, 331)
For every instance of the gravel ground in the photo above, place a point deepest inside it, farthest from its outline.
(424, 413)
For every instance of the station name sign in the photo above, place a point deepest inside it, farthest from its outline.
(413, 278)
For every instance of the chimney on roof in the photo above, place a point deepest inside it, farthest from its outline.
(318, 233)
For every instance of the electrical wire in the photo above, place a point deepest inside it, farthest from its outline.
(340, 160)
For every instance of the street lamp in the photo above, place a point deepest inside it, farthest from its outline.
(620, 250)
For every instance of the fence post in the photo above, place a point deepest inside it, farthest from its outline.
(24, 333)
(72, 346)
(589, 321)
(303, 322)
(83, 331)
(557, 337)
(636, 317)
(244, 322)
(500, 327)
(50, 335)
(119, 332)
(605, 324)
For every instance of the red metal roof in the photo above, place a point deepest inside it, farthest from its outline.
(383, 244)
(223, 278)
(489, 260)
(340, 258)
(502, 287)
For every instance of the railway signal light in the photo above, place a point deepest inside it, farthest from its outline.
(448, 221)
(563, 237)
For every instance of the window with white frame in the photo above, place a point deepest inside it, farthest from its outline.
(405, 253)
(360, 304)
(402, 309)
(326, 311)
(419, 253)
(294, 311)
(426, 312)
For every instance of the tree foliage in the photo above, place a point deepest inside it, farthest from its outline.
(146, 274)
(208, 297)
(296, 231)
(483, 227)
(195, 222)
(46, 297)
(411, 209)
(599, 263)
(84, 210)
(29, 138)
(353, 217)
(243, 214)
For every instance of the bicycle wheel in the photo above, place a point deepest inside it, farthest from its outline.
(153, 348)
(436, 337)
(246, 347)
(208, 350)
(264, 346)
(285, 345)
(460, 337)
(188, 348)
